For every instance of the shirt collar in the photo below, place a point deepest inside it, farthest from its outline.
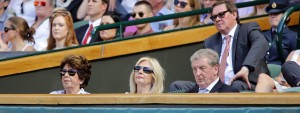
(231, 33)
(211, 85)
(95, 23)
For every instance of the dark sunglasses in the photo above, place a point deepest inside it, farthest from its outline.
(181, 4)
(141, 14)
(220, 15)
(36, 3)
(6, 29)
(146, 70)
(71, 72)
(105, 23)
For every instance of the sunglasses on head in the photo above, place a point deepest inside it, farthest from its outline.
(6, 29)
(181, 4)
(71, 72)
(146, 70)
(55, 14)
(42, 3)
(220, 15)
(133, 14)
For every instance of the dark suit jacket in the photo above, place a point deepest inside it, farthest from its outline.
(220, 87)
(73, 8)
(249, 47)
(289, 43)
(80, 32)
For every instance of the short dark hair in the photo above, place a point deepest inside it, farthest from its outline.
(106, 2)
(116, 17)
(146, 3)
(231, 7)
(81, 64)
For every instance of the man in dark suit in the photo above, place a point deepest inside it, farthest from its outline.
(241, 47)
(205, 65)
(96, 9)
(275, 9)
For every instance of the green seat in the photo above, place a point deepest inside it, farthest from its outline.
(274, 70)
(80, 23)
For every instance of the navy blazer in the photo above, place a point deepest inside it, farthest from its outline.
(219, 87)
(249, 47)
(289, 43)
(80, 32)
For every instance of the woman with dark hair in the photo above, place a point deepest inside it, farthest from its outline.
(75, 72)
(62, 33)
(110, 18)
(18, 34)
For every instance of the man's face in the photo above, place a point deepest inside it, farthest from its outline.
(208, 3)
(141, 12)
(204, 73)
(274, 19)
(3, 4)
(96, 8)
(225, 21)
(43, 7)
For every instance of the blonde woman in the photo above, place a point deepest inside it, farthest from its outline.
(147, 77)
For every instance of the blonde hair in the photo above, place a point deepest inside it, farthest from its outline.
(195, 19)
(158, 76)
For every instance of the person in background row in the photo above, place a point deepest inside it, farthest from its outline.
(17, 33)
(141, 10)
(184, 6)
(147, 77)
(72, 6)
(75, 73)
(110, 18)
(3, 13)
(62, 33)
(95, 11)
(43, 9)
(24, 9)
(205, 18)
(205, 65)
(275, 9)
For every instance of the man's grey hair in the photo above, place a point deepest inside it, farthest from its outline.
(211, 55)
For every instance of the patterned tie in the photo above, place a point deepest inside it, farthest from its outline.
(87, 35)
(224, 58)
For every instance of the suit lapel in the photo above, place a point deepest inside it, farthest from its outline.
(217, 87)
(234, 44)
(218, 46)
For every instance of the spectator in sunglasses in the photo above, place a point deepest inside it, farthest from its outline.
(141, 10)
(17, 33)
(75, 73)
(184, 6)
(4, 15)
(241, 47)
(43, 9)
(110, 18)
(62, 33)
(147, 76)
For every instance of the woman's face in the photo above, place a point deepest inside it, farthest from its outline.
(70, 77)
(182, 6)
(143, 73)
(9, 32)
(59, 28)
(109, 33)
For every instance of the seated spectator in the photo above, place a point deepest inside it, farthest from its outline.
(43, 9)
(75, 73)
(141, 10)
(244, 11)
(184, 6)
(205, 65)
(275, 9)
(147, 76)
(3, 13)
(16, 33)
(290, 75)
(109, 34)
(62, 33)
(159, 9)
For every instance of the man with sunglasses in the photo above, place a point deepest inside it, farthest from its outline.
(141, 10)
(275, 9)
(241, 47)
(3, 13)
(95, 11)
